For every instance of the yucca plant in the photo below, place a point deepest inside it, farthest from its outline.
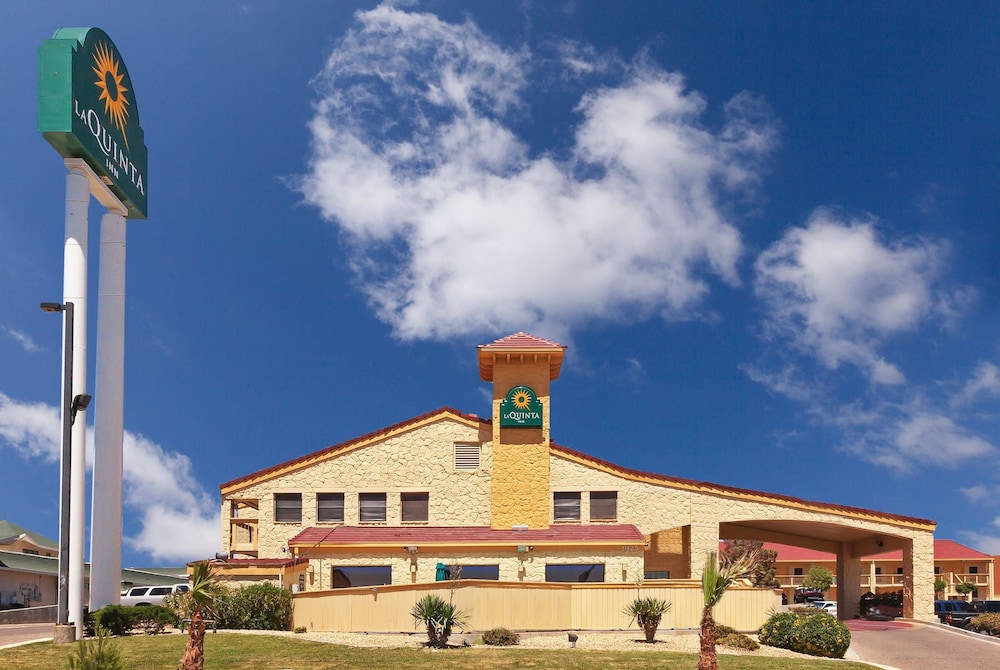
(715, 580)
(648, 612)
(439, 617)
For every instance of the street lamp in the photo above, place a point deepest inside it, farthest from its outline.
(70, 406)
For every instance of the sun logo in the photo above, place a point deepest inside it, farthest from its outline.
(521, 399)
(109, 80)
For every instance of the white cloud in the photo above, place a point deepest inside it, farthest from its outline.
(977, 494)
(25, 340)
(455, 228)
(985, 381)
(839, 293)
(178, 519)
(988, 544)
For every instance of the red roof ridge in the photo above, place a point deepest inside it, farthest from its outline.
(329, 451)
(522, 340)
(732, 490)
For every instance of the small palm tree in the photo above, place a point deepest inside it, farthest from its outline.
(714, 582)
(439, 617)
(647, 612)
(205, 590)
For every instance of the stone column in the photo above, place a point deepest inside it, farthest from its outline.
(704, 540)
(848, 582)
(918, 584)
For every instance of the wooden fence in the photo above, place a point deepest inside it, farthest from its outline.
(526, 607)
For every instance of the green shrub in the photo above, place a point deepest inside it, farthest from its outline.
(985, 623)
(439, 617)
(152, 619)
(737, 641)
(114, 619)
(501, 637)
(263, 606)
(722, 630)
(648, 612)
(98, 653)
(816, 634)
(299, 629)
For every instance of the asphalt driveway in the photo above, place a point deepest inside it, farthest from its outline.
(919, 646)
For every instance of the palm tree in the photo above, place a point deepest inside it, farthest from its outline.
(714, 582)
(205, 591)
(648, 612)
(439, 617)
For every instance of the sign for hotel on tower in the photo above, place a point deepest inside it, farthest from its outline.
(520, 409)
(86, 109)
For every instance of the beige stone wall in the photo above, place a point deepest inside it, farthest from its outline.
(416, 461)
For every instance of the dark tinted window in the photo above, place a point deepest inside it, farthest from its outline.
(477, 572)
(288, 507)
(371, 506)
(414, 506)
(330, 507)
(604, 505)
(575, 573)
(361, 575)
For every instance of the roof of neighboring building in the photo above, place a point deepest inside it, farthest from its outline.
(49, 565)
(519, 343)
(11, 532)
(944, 550)
(388, 536)
(263, 562)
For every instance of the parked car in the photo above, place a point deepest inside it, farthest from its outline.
(984, 606)
(807, 595)
(150, 595)
(954, 612)
(828, 606)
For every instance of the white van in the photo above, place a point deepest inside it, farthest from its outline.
(150, 595)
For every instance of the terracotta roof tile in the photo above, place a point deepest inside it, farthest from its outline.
(944, 550)
(522, 340)
(521, 344)
(467, 535)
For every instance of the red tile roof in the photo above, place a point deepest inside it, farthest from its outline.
(263, 562)
(944, 550)
(467, 535)
(522, 341)
(519, 343)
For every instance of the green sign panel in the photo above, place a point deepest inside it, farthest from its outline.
(86, 109)
(521, 409)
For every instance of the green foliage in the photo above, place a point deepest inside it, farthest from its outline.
(439, 617)
(737, 641)
(180, 604)
(121, 620)
(722, 630)
(648, 612)
(819, 578)
(985, 623)
(816, 634)
(940, 585)
(965, 588)
(263, 606)
(152, 619)
(114, 619)
(501, 637)
(97, 653)
(764, 574)
(299, 629)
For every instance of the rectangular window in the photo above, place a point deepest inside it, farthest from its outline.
(372, 507)
(566, 506)
(345, 577)
(288, 507)
(899, 571)
(603, 505)
(574, 573)
(656, 574)
(330, 507)
(414, 506)
(937, 570)
(476, 572)
(973, 570)
(466, 456)
(797, 572)
(878, 571)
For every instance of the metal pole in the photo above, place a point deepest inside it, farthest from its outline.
(62, 610)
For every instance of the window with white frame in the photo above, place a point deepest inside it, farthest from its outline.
(566, 506)
(371, 507)
(288, 507)
(330, 507)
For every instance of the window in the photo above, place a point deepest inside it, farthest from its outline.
(878, 571)
(899, 571)
(973, 570)
(937, 570)
(603, 505)
(466, 456)
(372, 507)
(288, 507)
(797, 572)
(566, 506)
(574, 573)
(330, 507)
(414, 506)
(29, 551)
(361, 575)
(476, 571)
(656, 574)
(159, 591)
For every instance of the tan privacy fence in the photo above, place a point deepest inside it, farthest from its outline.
(519, 606)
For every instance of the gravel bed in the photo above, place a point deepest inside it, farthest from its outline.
(677, 641)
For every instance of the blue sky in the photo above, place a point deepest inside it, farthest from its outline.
(766, 231)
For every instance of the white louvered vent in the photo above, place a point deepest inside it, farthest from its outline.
(466, 456)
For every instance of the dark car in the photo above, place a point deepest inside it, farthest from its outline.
(984, 606)
(807, 595)
(954, 612)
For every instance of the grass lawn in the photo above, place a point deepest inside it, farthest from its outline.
(229, 651)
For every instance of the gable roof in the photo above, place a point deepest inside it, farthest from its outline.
(944, 550)
(315, 457)
(396, 537)
(11, 532)
(519, 344)
(733, 492)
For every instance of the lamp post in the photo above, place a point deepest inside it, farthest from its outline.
(70, 406)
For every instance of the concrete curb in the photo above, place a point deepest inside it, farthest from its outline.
(21, 644)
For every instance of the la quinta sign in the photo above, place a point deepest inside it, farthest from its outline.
(520, 409)
(86, 109)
